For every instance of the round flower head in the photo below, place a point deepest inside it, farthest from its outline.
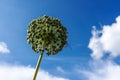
(47, 33)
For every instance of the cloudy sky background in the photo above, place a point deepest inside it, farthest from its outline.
(94, 40)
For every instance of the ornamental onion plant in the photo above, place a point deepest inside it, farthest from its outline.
(46, 34)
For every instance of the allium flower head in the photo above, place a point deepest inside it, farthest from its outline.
(47, 33)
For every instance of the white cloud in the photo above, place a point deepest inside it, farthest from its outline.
(4, 48)
(106, 40)
(16, 72)
(95, 45)
(105, 70)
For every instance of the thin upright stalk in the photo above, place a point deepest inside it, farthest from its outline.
(38, 65)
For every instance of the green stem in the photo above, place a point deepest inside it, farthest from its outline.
(38, 65)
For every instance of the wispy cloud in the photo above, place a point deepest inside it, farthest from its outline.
(102, 70)
(64, 58)
(60, 69)
(4, 48)
(19, 72)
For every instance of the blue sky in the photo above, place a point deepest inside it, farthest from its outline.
(78, 16)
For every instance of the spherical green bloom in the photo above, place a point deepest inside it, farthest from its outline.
(47, 33)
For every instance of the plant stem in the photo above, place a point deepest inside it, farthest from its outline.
(38, 65)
